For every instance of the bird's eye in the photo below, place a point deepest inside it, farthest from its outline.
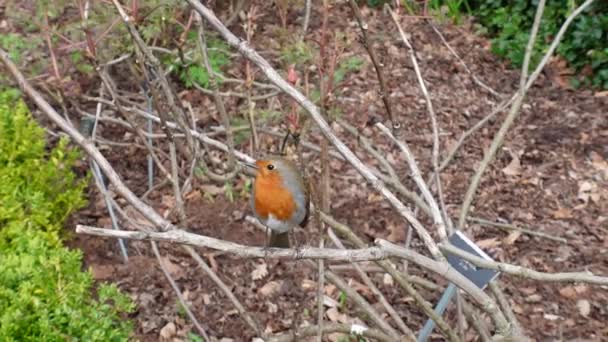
(270, 167)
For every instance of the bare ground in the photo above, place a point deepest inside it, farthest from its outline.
(550, 176)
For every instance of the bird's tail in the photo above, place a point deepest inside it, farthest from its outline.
(280, 240)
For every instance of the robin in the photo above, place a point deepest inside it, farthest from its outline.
(279, 198)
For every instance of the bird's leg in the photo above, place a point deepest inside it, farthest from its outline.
(294, 239)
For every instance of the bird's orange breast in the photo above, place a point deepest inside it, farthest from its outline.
(273, 198)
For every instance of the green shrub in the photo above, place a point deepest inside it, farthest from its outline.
(584, 46)
(44, 295)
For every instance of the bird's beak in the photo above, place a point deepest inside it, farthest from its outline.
(250, 165)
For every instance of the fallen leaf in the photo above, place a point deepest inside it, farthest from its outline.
(582, 288)
(535, 298)
(206, 299)
(514, 167)
(387, 280)
(308, 284)
(397, 233)
(329, 289)
(175, 270)
(513, 236)
(588, 190)
(329, 302)
(601, 93)
(335, 316)
(167, 332)
(562, 213)
(584, 307)
(270, 288)
(568, 292)
(600, 164)
(272, 307)
(260, 271)
(209, 189)
(488, 243)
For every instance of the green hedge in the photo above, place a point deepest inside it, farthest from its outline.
(584, 46)
(44, 295)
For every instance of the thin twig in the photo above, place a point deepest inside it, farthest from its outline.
(370, 284)
(442, 221)
(226, 290)
(307, 10)
(219, 103)
(358, 300)
(525, 83)
(402, 279)
(512, 227)
(178, 292)
(417, 177)
(384, 94)
(524, 272)
(464, 65)
(324, 127)
(351, 329)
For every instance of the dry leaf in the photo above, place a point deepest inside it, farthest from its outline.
(387, 280)
(584, 307)
(329, 302)
(272, 307)
(168, 201)
(600, 164)
(562, 213)
(329, 289)
(167, 332)
(488, 243)
(209, 189)
(175, 270)
(270, 288)
(308, 284)
(335, 316)
(513, 236)
(397, 233)
(588, 190)
(601, 93)
(568, 292)
(551, 317)
(535, 298)
(514, 167)
(260, 271)
(582, 288)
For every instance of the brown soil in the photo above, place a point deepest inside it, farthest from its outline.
(559, 187)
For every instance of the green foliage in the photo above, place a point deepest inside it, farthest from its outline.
(351, 64)
(451, 9)
(584, 45)
(373, 3)
(15, 45)
(342, 299)
(44, 295)
(192, 337)
(298, 53)
(195, 72)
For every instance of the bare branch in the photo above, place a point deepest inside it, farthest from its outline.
(512, 227)
(351, 329)
(324, 127)
(585, 277)
(384, 95)
(178, 292)
(525, 83)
